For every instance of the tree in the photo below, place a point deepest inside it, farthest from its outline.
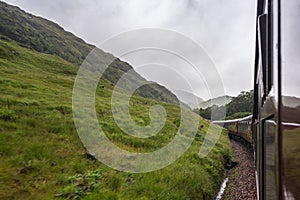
(240, 106)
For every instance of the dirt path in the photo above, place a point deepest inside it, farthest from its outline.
(242, 177)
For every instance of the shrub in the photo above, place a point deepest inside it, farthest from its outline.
(8, 115)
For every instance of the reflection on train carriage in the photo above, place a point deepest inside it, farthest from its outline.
(275, 133)
(290, 150)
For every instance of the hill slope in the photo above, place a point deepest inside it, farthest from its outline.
(219, 101)
(188, 98)
(41, 155)
(45, 36)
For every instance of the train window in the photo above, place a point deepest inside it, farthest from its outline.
(269, 69)
(256, 143)
(265, 25)
(257, 153)
(262, 22)
(274, 49)
(269, 171)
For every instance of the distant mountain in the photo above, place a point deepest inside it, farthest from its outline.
(236, 107)
(45, 36)
(291, 109)
(219, 101)
(290, 101)
(188, 98)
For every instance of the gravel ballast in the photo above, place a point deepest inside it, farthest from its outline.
(241, 183)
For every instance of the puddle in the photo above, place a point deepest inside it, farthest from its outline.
(222, 189)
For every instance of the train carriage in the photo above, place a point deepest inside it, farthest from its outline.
(274, 135)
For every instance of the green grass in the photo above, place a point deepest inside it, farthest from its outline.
(42, 156)
(230, 189)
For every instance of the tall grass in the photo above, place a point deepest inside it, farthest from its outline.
(41, 155)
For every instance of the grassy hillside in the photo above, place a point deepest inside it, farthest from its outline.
(41, 35)
(41, 155)
(48, 37)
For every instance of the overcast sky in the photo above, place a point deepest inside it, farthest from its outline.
(225, 29)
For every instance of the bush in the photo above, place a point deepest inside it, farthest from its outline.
(8, 115)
